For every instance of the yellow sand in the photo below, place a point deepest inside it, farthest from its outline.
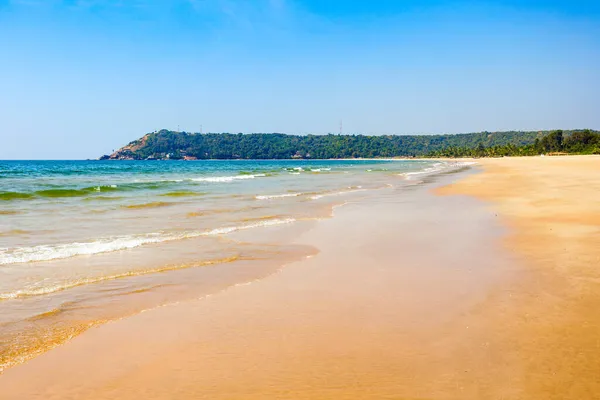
(409, 298)
(552, 319)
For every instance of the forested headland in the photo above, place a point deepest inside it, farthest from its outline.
(165, 144)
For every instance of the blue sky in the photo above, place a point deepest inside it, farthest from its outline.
(79, 78)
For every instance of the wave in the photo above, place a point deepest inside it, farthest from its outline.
(15, 196)
(378, 170)
(63, 192)
(54, 252)
(298, 170)
(57, 193)
(437, 167)
(46, 314)
(39, 291)
(93, 191)
(154, 204)
(213, 211)
(227, 178)
(277, 196)
(262, 218)
(116, 243)
(150, 288)
(351, 189)
(103, 198)
(67, 192)
(104, 188)
(225, 230)
(182, 193)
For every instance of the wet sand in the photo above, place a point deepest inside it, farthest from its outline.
(412, 296)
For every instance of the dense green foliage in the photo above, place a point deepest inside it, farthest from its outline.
(571, 142)
(175, 145)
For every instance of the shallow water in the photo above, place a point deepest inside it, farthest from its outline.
(85, 242)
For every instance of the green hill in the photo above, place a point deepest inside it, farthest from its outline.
(166, 144)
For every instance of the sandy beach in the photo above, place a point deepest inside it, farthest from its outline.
(481, 284)
(552, 208)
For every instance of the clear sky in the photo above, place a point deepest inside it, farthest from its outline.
(79, 78)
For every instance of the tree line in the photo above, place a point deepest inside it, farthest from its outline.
(583, 141)
(167, 144)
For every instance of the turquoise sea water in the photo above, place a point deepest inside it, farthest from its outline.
(52, 202)
(83, 242)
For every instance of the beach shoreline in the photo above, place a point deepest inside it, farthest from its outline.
(424, 296)
(103, 244)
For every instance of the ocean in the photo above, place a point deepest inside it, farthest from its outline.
(86, 242)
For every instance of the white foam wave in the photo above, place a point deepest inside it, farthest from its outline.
(116, 243)
(438, 167)
(277, 196)
(99, 188)
(298, 170)
(227, 178)
(53, 252)
(269, 222)
(340, 193)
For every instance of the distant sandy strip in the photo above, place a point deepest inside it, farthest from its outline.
(412, 296)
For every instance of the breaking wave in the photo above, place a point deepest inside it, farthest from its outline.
(437, 167)
(277, 196)
(116, 243)
(352, 189)
(227, 178)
